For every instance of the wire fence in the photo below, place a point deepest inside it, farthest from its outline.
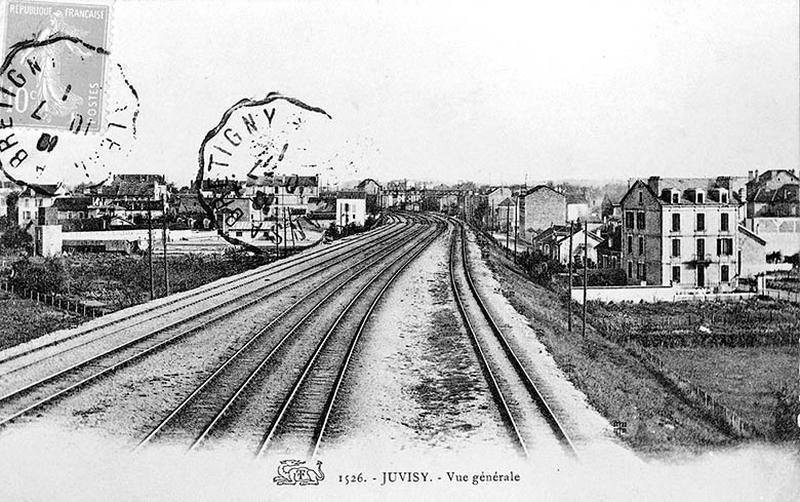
(53, 300)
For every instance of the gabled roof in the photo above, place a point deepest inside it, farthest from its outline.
(505, 202)
(541, 187)
(635, 185)
(364, 182)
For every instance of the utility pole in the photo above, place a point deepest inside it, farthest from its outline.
(585, 273)
(507, 215)
(291, 229)
(150, 251)
(285, 250)
(277, 236)
(516, 226)
(569, 301)
(164, 237)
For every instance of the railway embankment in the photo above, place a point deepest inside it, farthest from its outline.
(642, 408)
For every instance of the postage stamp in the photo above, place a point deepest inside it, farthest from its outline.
(54, 86)
(57, 85)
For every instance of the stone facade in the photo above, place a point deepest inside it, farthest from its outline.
(681, 232)
(540, 208)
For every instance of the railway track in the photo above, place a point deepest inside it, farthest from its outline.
(523, 409)
(244, 392)
(49, 389)
(212, 293)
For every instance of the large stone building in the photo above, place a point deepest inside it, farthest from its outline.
(681, 232)
(540, 208)
(773, 211)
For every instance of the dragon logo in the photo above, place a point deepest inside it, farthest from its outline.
(293, 472)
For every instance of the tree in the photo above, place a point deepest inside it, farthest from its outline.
(11, 206)
(16, 238)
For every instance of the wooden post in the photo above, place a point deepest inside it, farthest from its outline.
(585, 273)
(150, 252)
(516, 226)
(164, 237)
(569, 300)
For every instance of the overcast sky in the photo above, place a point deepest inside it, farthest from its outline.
(480, 90)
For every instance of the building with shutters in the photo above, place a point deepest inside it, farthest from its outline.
(680, 232)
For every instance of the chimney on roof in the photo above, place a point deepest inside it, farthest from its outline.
(749, 175)
(653, 182)
(755, 173)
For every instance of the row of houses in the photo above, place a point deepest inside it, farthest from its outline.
(685, 232)
(250, 211)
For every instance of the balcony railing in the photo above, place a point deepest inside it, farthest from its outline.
(701, 258)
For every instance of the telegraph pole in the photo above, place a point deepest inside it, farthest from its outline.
(507, 215)
(516, 226)
(150, 251)
(569, 301)
(277, 236)
(164, 237)
(585, 273)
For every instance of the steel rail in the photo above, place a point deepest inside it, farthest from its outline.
(253, 339)
(195, 315)
(255, 372)
(71, 388)
(353, 343)
(523, 374)
(210, 291)
(271, 431)
(494, 386)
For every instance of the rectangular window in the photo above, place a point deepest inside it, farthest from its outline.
(629, 220)
(724, 273)
(676, 247)
(630, 244)
(699, 197)
(641, 245)
(701, 222)
(723, 197)
(676, 222)
(640, 221)
(701, 248)
(676, 275)
(630, 270)
(675, 199)
(725, 247)
(641, 198)
(723, 222)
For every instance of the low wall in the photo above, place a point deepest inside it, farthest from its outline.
(651, 294)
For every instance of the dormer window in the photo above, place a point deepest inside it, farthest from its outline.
(675, 197)
(723, 197)
(699, 198)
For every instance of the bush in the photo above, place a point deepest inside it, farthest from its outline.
(539, 266)
(16, 238)
(605, 277)
(48, 277)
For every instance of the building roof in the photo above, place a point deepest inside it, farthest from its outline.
(285, 180)
(684, 186)
(560, 232)
(72, 203)
(363, 183)
(786, 193)
(350, 194)
(541, 187)
(42, 190)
